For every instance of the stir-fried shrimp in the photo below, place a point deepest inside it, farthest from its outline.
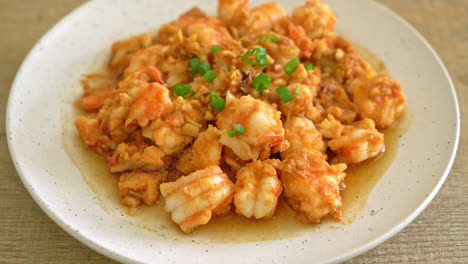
(193, 199)
(138, 156)
(258, 189)
(264, 132)
(330, 127)
(311, 186)
(123, 50)
(205, 151)
(96, 100)
(380, 98)
(303, 86)
(317, 19)
(92, 135)
(336, 101)
(138, 188)
(233, 12)
(238, 111)
(269, 16)
(358, 142)
(302, 135)
(151, 56)
(176, 129)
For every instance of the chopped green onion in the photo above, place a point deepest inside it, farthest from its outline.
(269, 36)
(203, 67)
(217, 102)
(284, 94)
(215, 48)
(212, 92)
(297, 90)
(247, 54)
(183, 90)
(291, 65)
(261, 56)
(261, 82)
(236, 130)
(209, 75)
(194, 64)
(309, 67)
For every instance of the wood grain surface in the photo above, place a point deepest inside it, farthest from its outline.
(438, 235)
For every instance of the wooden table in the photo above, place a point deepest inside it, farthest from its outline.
(438, 235)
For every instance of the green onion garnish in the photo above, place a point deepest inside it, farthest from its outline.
(215, 48)
(297, 90)
(261, 56)
(194, 64)
(183, 90)
(209, 75)
(203, 67)
(261, 82)
(269, 36)
(284, 94)
(291, 65)
(236, 130)
(217, 102)
(247, 54)
(309, 67)
(212, 92)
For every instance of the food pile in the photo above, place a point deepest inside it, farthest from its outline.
(236, 111)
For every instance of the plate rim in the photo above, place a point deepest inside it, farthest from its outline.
(360, 249)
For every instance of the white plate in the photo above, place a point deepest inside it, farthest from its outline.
(50, 75)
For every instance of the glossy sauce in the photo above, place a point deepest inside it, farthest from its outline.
(359, 181)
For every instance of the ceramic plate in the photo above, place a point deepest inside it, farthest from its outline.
(48, 82)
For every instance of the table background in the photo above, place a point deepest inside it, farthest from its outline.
(438, 235)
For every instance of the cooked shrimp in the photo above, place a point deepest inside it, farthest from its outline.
(136, 102)
(234, 162)
(303, 86)
(316, 18)
(138, 188)
(267, 17)
(264, 131)
(330, 127)
(282, 51)
(380, 98)
(205, 151)
(172, 33)
(175, 71)
(310, 185)
(300, 38)
(149, 105)
(192, 200)
(336, 101)
(137, 156)
(302, 134)
(175, 130)
(92, 135)
(151, 56)
(258, 189)
(122, 50)
(95, 100)
(233, 12)
(358, 142)
(204, 33)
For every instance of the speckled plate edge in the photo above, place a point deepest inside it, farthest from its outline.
(347, 255)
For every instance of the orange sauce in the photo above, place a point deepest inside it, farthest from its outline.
(360, 181)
